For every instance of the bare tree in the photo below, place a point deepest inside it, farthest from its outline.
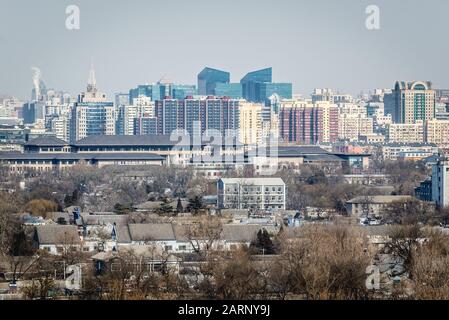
(204, 233)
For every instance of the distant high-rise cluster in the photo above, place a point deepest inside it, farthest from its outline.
(406, 120)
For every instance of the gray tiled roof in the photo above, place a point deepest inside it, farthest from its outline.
(151, 231)
(57, 234)
(123, 235)
(122, 140)
(118, 219)
(323, 157)
(46, 141)
(240, 232)
(181, 232)
(79, 156)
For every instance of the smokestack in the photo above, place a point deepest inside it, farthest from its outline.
(36, 81)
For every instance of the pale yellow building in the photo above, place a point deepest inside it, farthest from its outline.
(437, 132)
(406, 132)
(251, 124)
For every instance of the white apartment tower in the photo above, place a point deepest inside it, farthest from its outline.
(440, 183)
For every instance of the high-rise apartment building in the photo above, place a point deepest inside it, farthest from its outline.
(126, 114)
(354, 122)
(60, 126)
(196, 115)
(308, 123)
(413, 101)
(251, 124)
(145, 125)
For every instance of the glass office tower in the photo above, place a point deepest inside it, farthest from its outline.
(208, 80)
(231, 90)
(251, 83)
(181, 91)
(257, 86)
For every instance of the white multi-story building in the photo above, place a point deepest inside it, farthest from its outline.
(354, 122)
(437, 132)
(440, 183)
(329, 95)
(406, 132)
(126, 114)
(393, 151)
(251, 193)
(60, 126)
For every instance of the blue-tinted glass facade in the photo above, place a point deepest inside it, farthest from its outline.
(181, 91)
(231, 90)
(283, 90)
(141, 90)
(251, 83)
(257, 86)
(209, 78)
(96, 117)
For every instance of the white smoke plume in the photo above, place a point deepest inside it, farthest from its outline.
(36, 81)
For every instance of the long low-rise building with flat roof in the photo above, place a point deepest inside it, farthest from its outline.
(19, 162)
(47, 153)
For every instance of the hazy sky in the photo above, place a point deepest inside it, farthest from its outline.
(319, 43)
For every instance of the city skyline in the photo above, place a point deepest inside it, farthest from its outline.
(311, 45)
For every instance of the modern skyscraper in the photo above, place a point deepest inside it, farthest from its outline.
(251, 83)
(92, 114)
(209, 78)
(257, 86)
(231, 90)
(33, 111)
(181, 91)
(141, 90)
(413, 101)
